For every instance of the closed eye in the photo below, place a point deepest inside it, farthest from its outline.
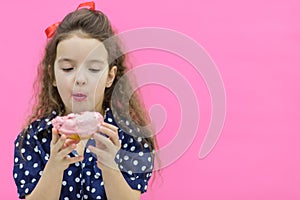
(67, 69)
(94, 70)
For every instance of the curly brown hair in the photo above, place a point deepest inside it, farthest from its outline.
(91, 24)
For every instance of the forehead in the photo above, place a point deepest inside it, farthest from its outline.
(81, 49)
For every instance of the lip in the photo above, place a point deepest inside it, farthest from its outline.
(78, 96)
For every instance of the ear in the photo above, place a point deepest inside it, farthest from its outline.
(49, 72)
(111, 76)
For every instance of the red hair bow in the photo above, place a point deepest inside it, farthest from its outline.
(50, 30)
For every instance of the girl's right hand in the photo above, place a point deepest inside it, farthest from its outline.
(59, 151)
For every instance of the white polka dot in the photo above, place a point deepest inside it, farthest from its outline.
(16, 160)
(141, 153)
(27, 142)
(26, 173)
(143, 168)
(22, 150)
(77, 164)
(126, 157)
(101, 183)
(64, 183)
(109, 119)
(36, 149)
(139, 139)
(69, 172)
(21, 166)
(41, 173)
(135, 162)
(78, 196)
(35, 165)
(138, 129)
(121, 167)
(29, 157)
(44, 140)
(93, 190)
(17, 144)
(139, 186)
(22, 181)
(26, 190)
(88, 188)
(33, 180)
(118, 156)
(130, 172)
(66, 198)
(97, 175)
(125, 145)
(98, 197)
(15, 175)
(90, 158)
(70, 188)
(28, 136)
(132, 148)
(127, 122)
(85, 196)
(88, 173)
(149, 159)
(130, 140)
(132, 178)
(146, 145)
(145, 188)
(46, 157)
(87, 150)
(77, 179)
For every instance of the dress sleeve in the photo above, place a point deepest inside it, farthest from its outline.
(135, 160)
(28, 165)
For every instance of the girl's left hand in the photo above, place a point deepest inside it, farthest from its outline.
(106, 147)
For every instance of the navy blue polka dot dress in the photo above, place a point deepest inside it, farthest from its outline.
(81, 180)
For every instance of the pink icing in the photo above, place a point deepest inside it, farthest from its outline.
(84, 124)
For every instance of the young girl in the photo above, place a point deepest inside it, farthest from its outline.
(80, 72)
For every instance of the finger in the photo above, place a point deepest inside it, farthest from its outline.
(67, 150)
(60, 143)
(54, 136)
(69, 142)
(96, 151)
(102, 158)
(110, 126)
(75, 159)
(112, 134)
(102, 141)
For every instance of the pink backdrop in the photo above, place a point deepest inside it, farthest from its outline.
(255, 46)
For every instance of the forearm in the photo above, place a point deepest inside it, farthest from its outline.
(45, 189)
(116, 186)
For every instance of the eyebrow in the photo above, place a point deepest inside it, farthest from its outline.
(73, 61)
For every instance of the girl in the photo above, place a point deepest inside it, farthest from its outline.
(80, 72)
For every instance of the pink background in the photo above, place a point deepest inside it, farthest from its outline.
(254, 44)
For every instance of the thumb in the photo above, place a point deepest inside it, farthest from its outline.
(55, 136)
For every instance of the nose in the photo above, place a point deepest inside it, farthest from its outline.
(80, 78)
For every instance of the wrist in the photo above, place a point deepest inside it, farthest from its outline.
(53, 169)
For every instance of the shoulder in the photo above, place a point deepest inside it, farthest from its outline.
(35, 129)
